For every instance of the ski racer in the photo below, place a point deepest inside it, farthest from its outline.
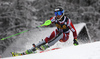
(64, 25)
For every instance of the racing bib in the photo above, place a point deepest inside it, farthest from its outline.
(62, 26)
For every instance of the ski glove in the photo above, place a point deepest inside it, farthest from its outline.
(43, 47)
(75, 42)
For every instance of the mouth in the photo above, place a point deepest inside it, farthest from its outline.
(58, 17)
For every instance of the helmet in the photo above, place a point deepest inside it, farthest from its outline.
(59, 11)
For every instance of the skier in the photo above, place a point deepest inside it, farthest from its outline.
(64, 25)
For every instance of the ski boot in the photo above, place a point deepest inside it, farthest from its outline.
(32, 50)
(40, 46)
(43, 47)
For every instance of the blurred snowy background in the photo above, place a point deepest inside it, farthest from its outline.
(20, 15)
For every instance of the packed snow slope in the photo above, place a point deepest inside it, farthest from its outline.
(85, 51)
(34, 36)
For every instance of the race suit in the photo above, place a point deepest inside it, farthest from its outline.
(63, 26)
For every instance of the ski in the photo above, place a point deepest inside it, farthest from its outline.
(16, 54)
(25, 53)
(20, 54)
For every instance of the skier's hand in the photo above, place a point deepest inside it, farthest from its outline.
(75, 42)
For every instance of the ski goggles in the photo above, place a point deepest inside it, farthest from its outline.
(58, 13)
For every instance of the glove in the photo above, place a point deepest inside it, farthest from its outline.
(75, 42)
(43, 47)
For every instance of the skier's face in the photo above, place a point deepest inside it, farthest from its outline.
(58, 14)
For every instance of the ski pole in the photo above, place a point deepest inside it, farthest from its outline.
(14, 35)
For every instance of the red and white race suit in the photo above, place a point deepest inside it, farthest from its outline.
(62, 26)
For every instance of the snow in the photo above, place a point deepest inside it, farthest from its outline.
(85, 51)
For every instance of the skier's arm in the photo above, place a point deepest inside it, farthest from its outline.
(72, 28)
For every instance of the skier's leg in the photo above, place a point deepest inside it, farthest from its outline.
(34, 48)
(56, 39)
(53, 34)
(65, 37)
(52, 42)
(40, 43)
(62, 37)
(50, 39)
